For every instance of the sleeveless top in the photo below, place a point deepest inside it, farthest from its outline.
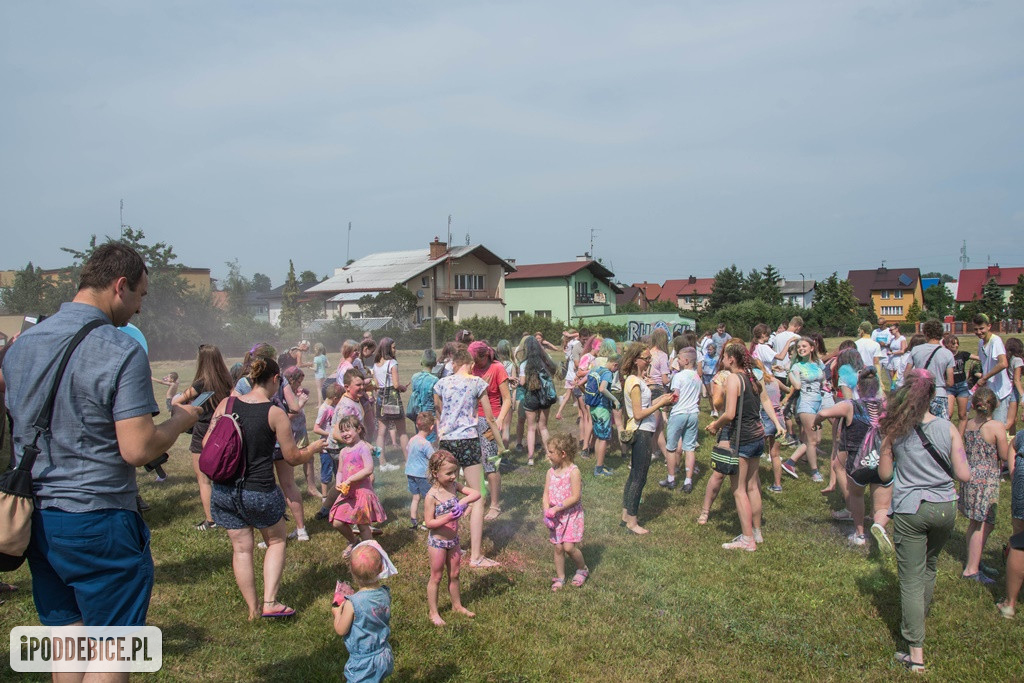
(751, 428)
(917, 477)
(371, 624)
(258, 439)
(854, 433)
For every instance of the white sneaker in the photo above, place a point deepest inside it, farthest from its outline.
(758, 538)
(302, 535)
(884, 542)
(857, 539)
(262, 545)
(740, 543)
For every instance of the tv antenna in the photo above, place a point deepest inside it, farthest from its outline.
(592, 231)
(449, 231)
(467, 239)
(122, 219)
(964, 259)
(348, 244)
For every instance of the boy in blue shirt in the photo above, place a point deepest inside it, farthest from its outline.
(417, 455)
(599, 400)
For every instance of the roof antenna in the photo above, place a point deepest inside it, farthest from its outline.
(348, 244)
(449, 231)
(964, 259)
(467, 239)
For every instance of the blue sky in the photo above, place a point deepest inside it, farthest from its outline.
(816, 136)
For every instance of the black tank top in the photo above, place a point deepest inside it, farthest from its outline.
(751, 428)
(258, 439)
(854, 433)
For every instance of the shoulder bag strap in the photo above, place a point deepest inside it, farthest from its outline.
(42, 423)
(932, 355)
(932, 452)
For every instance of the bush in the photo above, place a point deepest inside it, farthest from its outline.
(740, 318)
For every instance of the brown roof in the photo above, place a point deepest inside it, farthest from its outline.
(866, 281)
(630, 295)
(562, 269)
(650, 289)
(692, 286)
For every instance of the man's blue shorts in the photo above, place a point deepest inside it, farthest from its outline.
(602, 421)
(94, 567)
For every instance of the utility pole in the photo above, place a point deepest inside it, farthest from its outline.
(964, 259)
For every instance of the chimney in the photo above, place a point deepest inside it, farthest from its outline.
(583, 258)
(438, 249)
(692, 280)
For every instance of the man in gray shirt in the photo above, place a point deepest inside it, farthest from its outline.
(89, 550)
(720, 336)
(936, 359)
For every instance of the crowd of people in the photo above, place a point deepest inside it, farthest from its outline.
(887, 400)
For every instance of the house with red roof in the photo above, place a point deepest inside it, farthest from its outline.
(690, 294)
(889, 291)
(972, 281)
(567, 291)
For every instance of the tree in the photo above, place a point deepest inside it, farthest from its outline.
(835, 309)
(31, 292)
(662, 307)
(764, 285)
(943, 278)
(728, 288)
(308, 278)
(992, 299)
(398, 303)
(1016, 306)
(914, 311)
(290, 316)
(938, 301)
(260, 283)
(237, 288)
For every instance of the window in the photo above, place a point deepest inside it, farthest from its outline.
(898, 294)
(419, 314)
(512, 315)
(543, 314)
(451, 313)
(892, 310)
(885, 293)
(425, 280)
(469, 282)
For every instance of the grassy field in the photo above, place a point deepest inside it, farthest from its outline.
(669, 606)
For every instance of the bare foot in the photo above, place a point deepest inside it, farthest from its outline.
(558, 416)
(437, 620)
(638, 530)
(315, 494)
(462, 610)
(827, 490)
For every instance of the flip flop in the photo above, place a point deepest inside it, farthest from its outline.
(484, 563)
(492, 514)
(286, 612)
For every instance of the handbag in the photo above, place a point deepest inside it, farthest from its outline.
(17, 501)
(391, 402)
(726, 460)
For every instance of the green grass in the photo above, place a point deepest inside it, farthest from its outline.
(668, 606)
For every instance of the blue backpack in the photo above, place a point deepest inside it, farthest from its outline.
(592, 395)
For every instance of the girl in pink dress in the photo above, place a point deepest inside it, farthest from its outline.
(563, 513)
(357, 503)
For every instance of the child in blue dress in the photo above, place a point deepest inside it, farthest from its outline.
(364, 618)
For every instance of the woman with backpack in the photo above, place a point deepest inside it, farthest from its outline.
(921, 455)
(252, 499)
(858, 452)
(536, 376)
(211, 375)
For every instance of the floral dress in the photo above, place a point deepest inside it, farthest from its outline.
(568, 523)
(360, 505)
(978, 497)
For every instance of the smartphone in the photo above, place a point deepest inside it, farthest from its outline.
(202, 399)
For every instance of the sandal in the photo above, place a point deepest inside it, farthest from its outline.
(492, 513)
(557, 584)
(910, 665)
(1007, 611)
(580, 577)
(703, 517)
(483, 563)
(285, 611)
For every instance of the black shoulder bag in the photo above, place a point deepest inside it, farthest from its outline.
(17, 502)
(933, 452)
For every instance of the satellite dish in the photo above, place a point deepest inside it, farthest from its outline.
(419, 293)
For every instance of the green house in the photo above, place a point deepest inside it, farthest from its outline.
(566, 291)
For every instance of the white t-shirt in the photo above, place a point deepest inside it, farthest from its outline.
(688, 385)
(781, 340)
(766, 355)
(882, 338)
(573, 351)
(897, 363)
(989, 354)
(382, 373)
(869, 351)
(702, 345)
(650, 422)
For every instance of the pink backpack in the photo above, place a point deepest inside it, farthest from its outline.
(223, 455)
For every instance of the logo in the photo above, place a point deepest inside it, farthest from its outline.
(86, 648)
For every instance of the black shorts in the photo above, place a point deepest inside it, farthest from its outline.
(466, 451)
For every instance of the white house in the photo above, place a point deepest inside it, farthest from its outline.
(453, 283)
(797, 292)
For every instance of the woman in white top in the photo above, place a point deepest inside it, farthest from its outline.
(641, 412)
(385, 376)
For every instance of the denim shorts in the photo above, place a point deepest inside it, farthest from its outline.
(93, 567)
(959, 390)
(769, 426)
(235, 508)
(328, 467)
(808, 403)
(466, 451)
(1002, 410)
(751, 450)
(418, 486)
(682, 427)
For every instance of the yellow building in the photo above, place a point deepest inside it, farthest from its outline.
(889, 291)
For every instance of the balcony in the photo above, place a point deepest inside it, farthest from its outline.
(591, 298)
(465, 294)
